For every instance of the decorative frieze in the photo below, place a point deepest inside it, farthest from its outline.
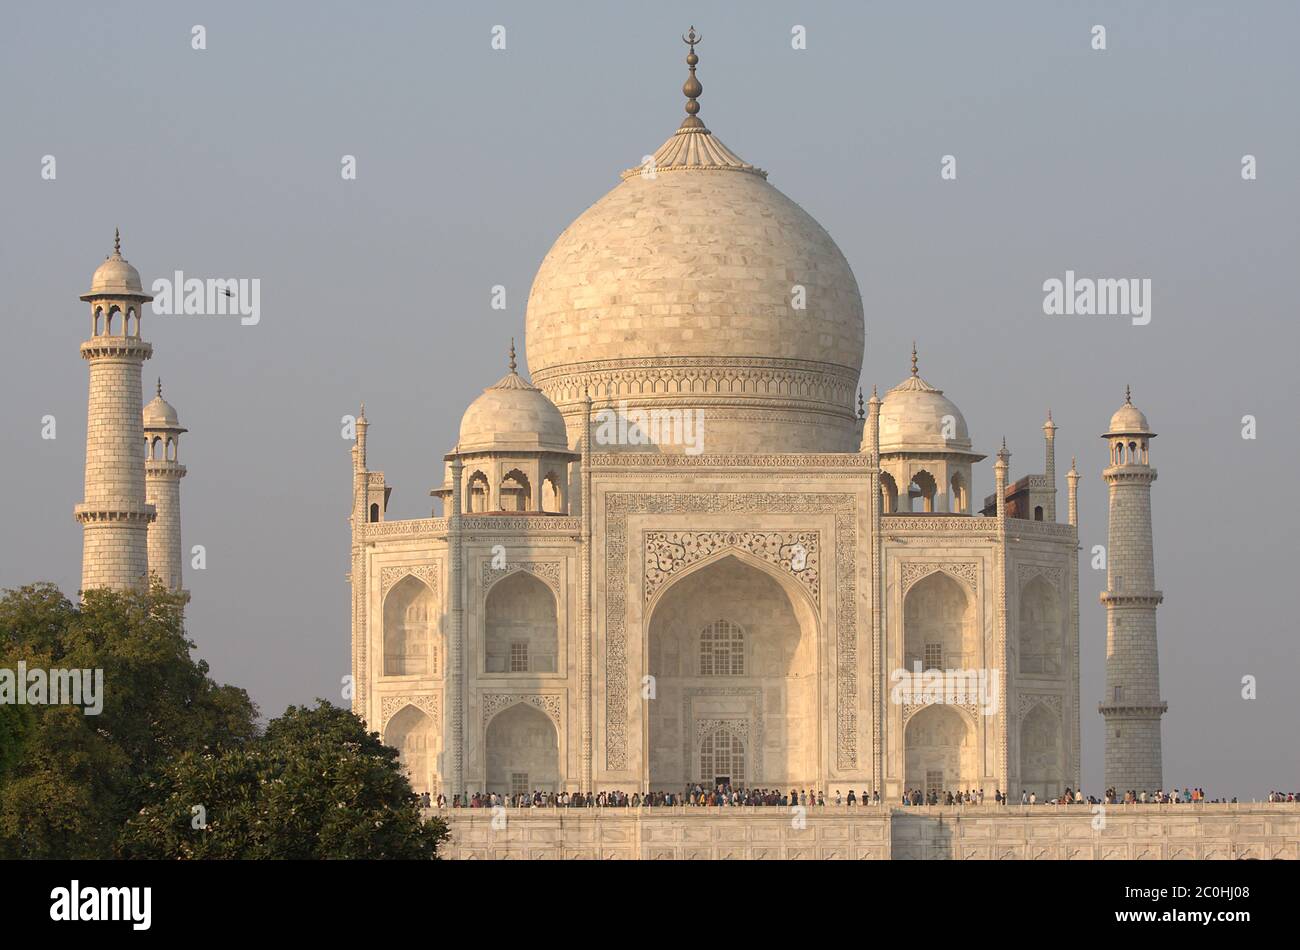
(548, 571)
(430, 703)
(974, 709)
(550, 703)
(1027, 572)
(796, 553)
(965, 571)
(389, 576)
(1029, 700)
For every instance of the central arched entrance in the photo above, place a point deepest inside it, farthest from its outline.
(732, 649)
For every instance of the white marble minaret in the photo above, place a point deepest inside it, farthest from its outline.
(163, 472)
(1132, 706)
(115, 515)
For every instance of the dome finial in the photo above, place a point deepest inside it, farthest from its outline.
(914, 373)
(692, 87)
(862, 413)
(1128, 395)
(159, 387)
(117, 242)
(512, 354)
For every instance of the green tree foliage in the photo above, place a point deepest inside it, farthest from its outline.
(69, 781)
(316, 785)
(169, 740)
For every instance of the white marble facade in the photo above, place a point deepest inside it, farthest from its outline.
(731, 594)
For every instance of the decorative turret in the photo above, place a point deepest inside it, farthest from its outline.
(1001, 468)
(925, 449)
(514, 448)
(162, 477)
(1049, 472)
(1132, 706)
(115, 514)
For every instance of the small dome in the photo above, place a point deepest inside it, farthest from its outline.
(116, 276)
(914, 417)
(1128, 419)
(510, 416)
(159, 413)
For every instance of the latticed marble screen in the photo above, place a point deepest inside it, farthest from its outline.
(519, 783)
(722, 753)
(722, 649)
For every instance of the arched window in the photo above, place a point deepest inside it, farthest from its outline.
(552, 500)
(722, 649)
(108, 324)
(722, 755)
(960, 498)
(99, 316)
(516, 492)
(522, 632)
(1040, 629)
(374, 511)
(888, 493)
(939, 629)
(410, 630)
(414, 735)
(477, 499)
(1038, 512)
(923, 488)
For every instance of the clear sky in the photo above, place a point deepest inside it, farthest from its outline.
(225, 162)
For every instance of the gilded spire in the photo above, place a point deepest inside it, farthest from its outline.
(692, 88)
(1128, 395)
(159, 387)
(512, 354)
(862, 413)
(117, 242)
(914, 373)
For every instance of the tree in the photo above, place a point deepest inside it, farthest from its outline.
(316, 785)
(69, 781)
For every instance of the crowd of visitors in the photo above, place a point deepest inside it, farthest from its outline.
(727, 796)
(696, 795)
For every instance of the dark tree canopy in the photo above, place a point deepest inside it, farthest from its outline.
(126, 782)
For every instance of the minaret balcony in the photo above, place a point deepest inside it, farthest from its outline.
(120, 347)
(123, 514)
(1117, 598)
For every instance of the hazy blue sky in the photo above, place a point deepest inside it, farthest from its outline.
(226, 162)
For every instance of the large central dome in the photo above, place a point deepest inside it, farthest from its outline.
(696, 285)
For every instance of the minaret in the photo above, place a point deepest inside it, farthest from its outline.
(1132, 706)
(115, 516)
(163, 472)
(1049, 472)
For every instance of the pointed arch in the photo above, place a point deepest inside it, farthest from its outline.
(521, 628)
(1041, 638)
(414, 734)
(1042, 764)
(412, 629)
(521, 745)
(773, 699)
(941, 751)
(939, 627)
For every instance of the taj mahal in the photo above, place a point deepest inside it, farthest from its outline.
(733, 595)
(692, 543)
